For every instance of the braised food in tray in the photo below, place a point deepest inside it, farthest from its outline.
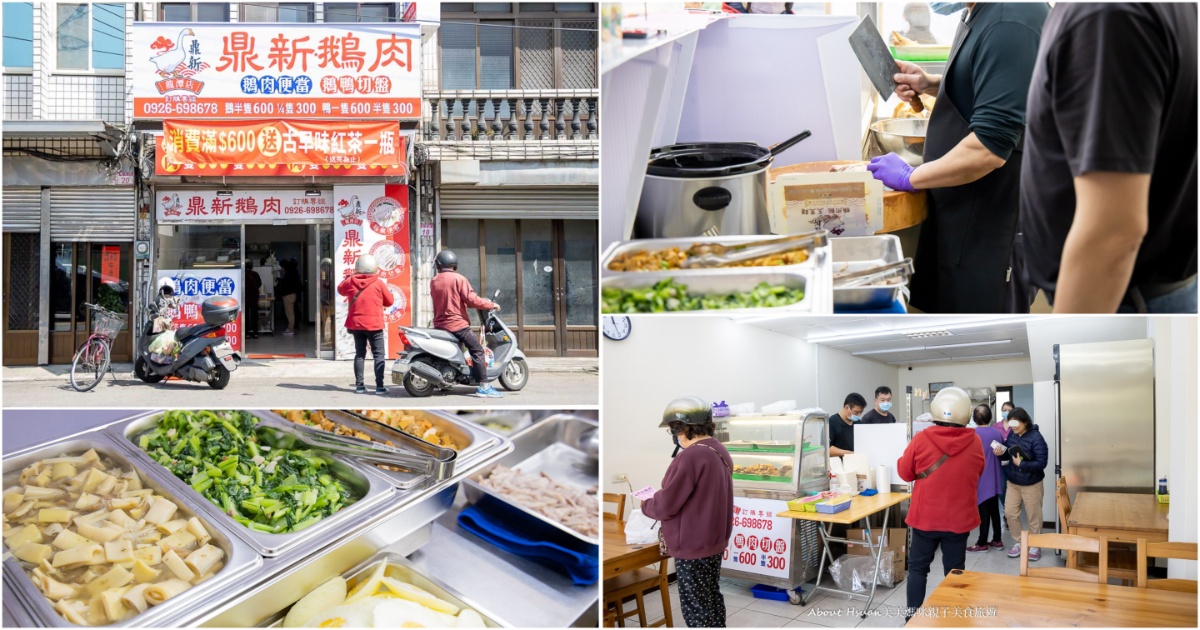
(413, 425)
(318, 420)
(571, 506)
(673, 258)
(98, 544)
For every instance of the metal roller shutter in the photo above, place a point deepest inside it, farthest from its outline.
(22, 209)
(514, 202)
(92, 214)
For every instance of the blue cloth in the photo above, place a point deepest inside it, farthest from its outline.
(897, 308)
(583, 568)
(991, 483)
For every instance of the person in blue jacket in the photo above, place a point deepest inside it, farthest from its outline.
(1023, 458)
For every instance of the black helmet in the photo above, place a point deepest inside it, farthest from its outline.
(447, 259)
(688, 410)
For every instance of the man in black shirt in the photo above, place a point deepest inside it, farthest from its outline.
(883, 404)
(841, 425)
(1108, 187)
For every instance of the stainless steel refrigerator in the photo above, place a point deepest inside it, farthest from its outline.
(1105, 423)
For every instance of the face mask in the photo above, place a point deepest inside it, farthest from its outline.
(855, 418)
(885, 406)
(947, 8)
(678, 446)
(1014, 423)
(1004, 415)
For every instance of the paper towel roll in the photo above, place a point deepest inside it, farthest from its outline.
(883, 479)
(836, 481)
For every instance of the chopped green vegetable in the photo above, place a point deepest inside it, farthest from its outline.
(668, 295)
(218, 453)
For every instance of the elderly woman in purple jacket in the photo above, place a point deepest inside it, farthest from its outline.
(991, 483)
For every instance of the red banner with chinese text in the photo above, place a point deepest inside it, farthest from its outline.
(164, 166)
(289, 142)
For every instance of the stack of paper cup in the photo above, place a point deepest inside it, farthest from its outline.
(883, 479)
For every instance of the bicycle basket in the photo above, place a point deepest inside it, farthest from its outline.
(107, 324)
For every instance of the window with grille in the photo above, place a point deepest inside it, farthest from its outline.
(193, 12)
(360, 12)
(89, 37)
(281, 12)
(22, 281)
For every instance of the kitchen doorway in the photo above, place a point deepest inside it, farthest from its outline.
(286, 260)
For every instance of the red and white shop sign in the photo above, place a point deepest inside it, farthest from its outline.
(326, 143)
(760, 539)
(373, 219)
(211, 206)
(284, 71)
(196, 285)
(165, 164)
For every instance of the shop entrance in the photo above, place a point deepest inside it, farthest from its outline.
(294, 318)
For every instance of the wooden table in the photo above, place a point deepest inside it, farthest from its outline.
(900, 209)
(1117, 516)
(967, 598)
(620, 557)
(861, 509)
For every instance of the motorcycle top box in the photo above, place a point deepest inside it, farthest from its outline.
(218, 311)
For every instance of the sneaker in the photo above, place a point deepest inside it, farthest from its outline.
(978, 548)
(996, 544)
(380, 389)
(487, 391)
(1015, 551)
(1035, 554)
(359, 389)
(289, 333)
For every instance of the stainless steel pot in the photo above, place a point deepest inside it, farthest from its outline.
(698, 188)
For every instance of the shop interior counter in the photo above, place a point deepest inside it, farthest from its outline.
(900, 209)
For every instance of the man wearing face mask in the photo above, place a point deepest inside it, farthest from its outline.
(880, 414)
(696, 498)
(972, 160)
(841, 425)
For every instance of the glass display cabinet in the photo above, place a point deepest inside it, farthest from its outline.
(778, 457)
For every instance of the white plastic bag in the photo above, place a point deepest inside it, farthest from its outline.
(164, 343)
(641, 529)
(853, 573)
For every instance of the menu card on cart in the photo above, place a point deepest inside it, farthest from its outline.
(761, 542)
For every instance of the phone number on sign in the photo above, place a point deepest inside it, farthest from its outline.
(753, 523)
(178, 109)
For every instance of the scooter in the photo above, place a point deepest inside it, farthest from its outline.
(205, 356)
(434, 360)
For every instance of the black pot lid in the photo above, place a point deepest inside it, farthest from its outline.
(708, 159)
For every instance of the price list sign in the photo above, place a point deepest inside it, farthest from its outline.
(761, 542)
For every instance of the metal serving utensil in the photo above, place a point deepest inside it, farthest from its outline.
(703, 255)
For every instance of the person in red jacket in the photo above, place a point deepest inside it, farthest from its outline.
(452, 295)
(368, 297)
(946, 462)
(695, 507)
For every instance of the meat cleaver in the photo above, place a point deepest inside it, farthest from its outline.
(877, 61)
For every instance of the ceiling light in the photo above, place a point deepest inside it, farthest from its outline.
(224, 193)
(956, 327)
(972, 344)
(925, 334)
(986, 356)
(312, 193)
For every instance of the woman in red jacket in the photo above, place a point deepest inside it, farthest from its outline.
(368, 297)
(946, 462)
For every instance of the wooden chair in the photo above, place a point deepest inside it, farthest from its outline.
(610, 619)
(1122, 559)
(619, 501)
(1065, 542)
(1176, 550)
(636, 583)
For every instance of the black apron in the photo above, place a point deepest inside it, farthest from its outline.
(963, 252)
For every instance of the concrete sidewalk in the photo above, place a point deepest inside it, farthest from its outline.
(293, 369)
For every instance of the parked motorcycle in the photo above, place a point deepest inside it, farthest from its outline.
(205, 355)
(434, 360)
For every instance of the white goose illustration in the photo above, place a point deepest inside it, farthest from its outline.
(169, 61)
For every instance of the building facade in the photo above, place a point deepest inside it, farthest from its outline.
(493, 153)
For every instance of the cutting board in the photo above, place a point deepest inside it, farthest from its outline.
(900, 209)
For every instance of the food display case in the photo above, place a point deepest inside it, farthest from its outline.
(405, 519)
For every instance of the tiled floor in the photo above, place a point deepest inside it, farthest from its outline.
(302, 343)
(827, 610)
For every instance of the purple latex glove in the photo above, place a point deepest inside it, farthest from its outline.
(892, 171)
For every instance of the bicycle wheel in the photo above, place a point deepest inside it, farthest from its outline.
(89, 365)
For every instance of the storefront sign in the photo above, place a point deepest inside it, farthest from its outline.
(293, 71)
(196, 285)
(761, 542)
(283, 142)
(211, 206)
(373, 219)
(110, 264)
(164, 164)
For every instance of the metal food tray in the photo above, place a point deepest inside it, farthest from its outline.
(512, 421)
(817, 254)
(367, 487)
(546, 447)
(477, 439)
(727, 280)
(861, 252)
(443, 459)
(401, 569)
(240, 558)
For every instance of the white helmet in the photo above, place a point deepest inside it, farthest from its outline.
(951, 405)
(366, 264)
(165, 285)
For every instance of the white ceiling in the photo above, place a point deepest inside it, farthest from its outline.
(889, 339)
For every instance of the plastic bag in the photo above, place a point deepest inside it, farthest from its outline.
(640, 529)
(164, 343)
(853, 573)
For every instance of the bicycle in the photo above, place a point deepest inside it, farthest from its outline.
(94, 357)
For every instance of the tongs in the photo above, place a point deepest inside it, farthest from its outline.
(703, 255)
(366, 450)
(874, 275)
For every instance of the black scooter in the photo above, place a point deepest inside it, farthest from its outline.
(206, 355)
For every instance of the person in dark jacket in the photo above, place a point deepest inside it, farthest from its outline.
(288, 290)
(991, 483)
(253, 286)
(696, 498)
(945, 461)
(1023, 458)
(368, 296)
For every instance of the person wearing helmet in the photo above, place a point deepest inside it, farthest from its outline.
(696, 497)
(367, 295)
(452, 297)
(166, 306)
(1023, 459)
(945, 462)
(253, 287)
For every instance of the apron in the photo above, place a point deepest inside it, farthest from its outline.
(963, 251)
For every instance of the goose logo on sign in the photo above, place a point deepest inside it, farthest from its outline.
(178, 62)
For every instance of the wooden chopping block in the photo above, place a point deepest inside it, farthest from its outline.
(900, 209)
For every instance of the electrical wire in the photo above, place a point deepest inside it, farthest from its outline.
(401, 20)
